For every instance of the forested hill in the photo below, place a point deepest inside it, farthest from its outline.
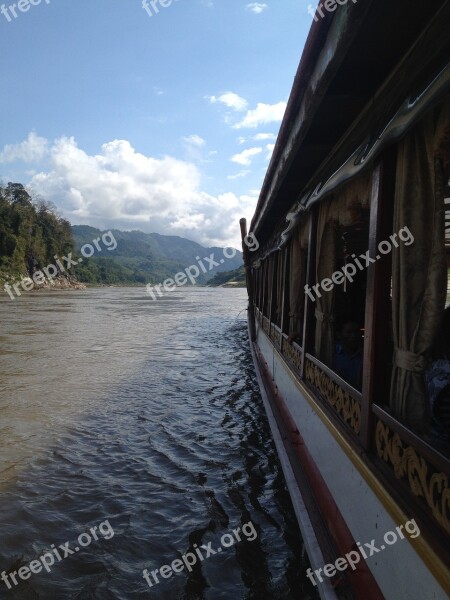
(235, 278)
(31, 233)
(142, 258)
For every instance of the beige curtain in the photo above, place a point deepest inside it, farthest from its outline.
(296, 283)
(298, 250)
(419, 271)
(269, 286)
(264, 300)
(326, 266)
(262, 285)
(343, 210)
(279, 286)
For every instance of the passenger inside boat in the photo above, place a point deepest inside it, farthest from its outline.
(348, 356)
(438, 382)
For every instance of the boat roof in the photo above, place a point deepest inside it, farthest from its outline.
(348, 56)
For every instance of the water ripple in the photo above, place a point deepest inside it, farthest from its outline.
(146, 414)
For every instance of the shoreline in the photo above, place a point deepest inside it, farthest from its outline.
(65, 284)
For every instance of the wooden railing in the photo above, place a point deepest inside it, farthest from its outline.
(412, 465)
(344, 400)
(415, 473)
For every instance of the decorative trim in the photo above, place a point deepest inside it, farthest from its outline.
(275, 335)
(292, 353)
(433, 560)
(424, 481)
(347, 408)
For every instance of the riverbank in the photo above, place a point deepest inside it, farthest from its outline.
(18, 283)
(233, 284)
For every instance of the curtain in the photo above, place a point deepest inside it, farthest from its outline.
(264, 300)
(341, 211)
(298, 250)
(269, 286)
(325, 267)
(419, 271)
(279, 287)
(296, 283)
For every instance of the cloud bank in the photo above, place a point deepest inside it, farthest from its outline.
(122, 188)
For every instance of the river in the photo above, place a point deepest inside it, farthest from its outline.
(142, 419)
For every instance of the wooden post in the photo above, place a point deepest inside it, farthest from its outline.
(375, 375)
(249, 281)
(309, 319)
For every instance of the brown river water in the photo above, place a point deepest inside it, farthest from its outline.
(142, 419)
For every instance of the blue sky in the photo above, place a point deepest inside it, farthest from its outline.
(161, 123)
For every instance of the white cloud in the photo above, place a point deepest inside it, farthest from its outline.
(33, 149)
(194, 140)
(264, 136)
(245, 157)
(231, 100)
(120, 187)
(270, 148)
(194, 149)
(251, 198)
(243, 173)
(262, 115)
(257, 7)
(119, 183)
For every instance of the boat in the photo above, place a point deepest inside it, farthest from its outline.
(348, 291)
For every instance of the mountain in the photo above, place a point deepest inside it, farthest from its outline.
(33, 236)
(141, 258)
(235, 278)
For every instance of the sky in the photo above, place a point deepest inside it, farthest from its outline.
(161, 119)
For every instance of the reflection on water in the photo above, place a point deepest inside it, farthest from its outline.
(145, 413)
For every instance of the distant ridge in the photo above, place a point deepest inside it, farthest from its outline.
(235, 278)
(142, 258)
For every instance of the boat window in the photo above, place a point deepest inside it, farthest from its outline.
(277, 288)
(420, 382)
(437, 373)
(341, 275)
(298, 256)
(259, 272)
(267, 276)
